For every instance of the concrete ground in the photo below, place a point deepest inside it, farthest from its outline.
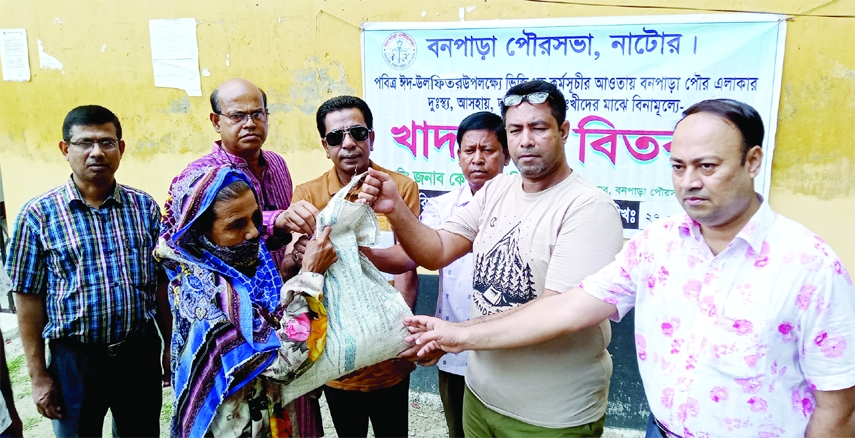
(426, 415)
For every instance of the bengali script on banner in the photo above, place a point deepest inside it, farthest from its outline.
(626, 81)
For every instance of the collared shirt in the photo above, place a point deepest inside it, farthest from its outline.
(455, 280)
(274, 188)
(94, 264)
(319, 192)
(735, 343)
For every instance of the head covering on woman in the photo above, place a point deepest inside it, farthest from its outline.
(227, 309)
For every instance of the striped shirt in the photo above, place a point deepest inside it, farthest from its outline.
(94, 264)
(274, 188)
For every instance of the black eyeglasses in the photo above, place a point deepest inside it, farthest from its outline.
(357, 133)
(106, 144)
(533, 98)
(258, 116)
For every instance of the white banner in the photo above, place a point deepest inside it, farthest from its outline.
(626, 81)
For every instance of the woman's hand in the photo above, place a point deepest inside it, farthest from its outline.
(320, 253)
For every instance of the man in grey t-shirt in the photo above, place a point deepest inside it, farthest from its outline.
(533, 234)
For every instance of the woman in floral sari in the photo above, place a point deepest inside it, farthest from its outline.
(238, 334)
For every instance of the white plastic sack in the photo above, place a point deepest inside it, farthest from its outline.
(365, 312)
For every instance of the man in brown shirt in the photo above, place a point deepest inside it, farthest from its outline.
(379, 392)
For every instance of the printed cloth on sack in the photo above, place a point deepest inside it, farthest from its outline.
(365, 312)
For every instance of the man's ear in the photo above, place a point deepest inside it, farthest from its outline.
(565, 129)
(371, 140)
(63, 147)
(215, 120)
(754, 160)
(326, 148)
(121, 147)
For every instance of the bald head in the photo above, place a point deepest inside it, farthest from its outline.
(232, 87)
(240, 117)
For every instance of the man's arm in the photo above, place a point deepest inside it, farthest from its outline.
(163, 318)
(538, 320)
(408, 285)
(31, 324)
(834, 414)
(392, 260)
(427, 247)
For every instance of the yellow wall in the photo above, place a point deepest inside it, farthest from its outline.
(303, 52)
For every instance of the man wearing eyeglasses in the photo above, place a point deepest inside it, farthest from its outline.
(379, 392)
(81, 264)
(239, 115)
(534, 234)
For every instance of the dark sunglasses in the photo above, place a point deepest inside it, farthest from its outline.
(357, 133)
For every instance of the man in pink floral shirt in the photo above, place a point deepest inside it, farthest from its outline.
(744, 322)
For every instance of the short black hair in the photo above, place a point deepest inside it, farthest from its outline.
(487, 121)
(739, 114)
(556, 99)
(215, 103)
(229, 192)
(87, 115)
(339, 103)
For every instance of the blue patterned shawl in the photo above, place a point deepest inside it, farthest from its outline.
(222, 335)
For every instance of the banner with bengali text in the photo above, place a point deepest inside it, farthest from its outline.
(626, 81)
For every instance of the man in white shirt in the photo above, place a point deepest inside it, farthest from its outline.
(743, 317)
(482, 152)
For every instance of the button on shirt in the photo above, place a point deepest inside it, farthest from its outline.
(736, 343)
(94, 264)
(455, 280)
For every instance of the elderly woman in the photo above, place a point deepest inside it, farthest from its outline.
(238, 334)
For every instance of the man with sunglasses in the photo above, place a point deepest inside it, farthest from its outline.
(239, 115)
(81, 264)
(534, 234)
(379, 392)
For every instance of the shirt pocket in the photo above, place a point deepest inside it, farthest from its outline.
(747, 337)
(139, 260)
(65, 258)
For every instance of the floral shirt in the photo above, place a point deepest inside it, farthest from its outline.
(736, 343)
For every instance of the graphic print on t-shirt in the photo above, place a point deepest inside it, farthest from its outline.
(502, 280)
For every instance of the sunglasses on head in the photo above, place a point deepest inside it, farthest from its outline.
(357, 133)
(533, 98)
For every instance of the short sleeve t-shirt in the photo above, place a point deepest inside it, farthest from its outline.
(524, 243)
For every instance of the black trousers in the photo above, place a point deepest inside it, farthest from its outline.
(388, 410)
(451, 389)
(91, 379)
